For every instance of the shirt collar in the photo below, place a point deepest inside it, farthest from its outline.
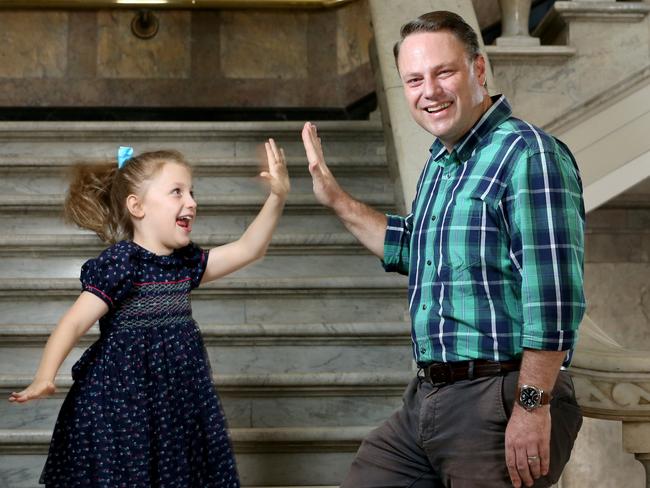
(492, 118)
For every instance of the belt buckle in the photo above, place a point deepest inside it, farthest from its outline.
(433, 373)
(450, 373)
(470, 370)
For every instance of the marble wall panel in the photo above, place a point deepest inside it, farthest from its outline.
(618, 300)
(488, 12)
(601, 440)
(615, 248)
(267, 58)
(264, 44)
(542, 91)
(33, 44)
(353, 35)
(120, 54)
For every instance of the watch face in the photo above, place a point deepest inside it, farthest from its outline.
(530, 397)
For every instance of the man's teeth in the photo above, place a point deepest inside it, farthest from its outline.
(438, 108)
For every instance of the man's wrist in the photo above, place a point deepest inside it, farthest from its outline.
(531, 397)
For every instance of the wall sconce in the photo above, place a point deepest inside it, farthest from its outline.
(144, 25)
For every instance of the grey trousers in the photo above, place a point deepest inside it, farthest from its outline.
(454, 437)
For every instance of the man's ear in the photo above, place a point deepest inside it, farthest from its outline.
(134, 205)
(479, 69)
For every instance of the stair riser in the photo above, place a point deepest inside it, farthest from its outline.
(50, 223)
(31, 183)
(255, 359)
(293, 409)
(264, 469)
(229, 151)
(230, 310)
(270, 267)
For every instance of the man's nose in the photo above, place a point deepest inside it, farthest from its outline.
(431, 86)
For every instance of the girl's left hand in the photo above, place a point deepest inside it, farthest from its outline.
(38, 389)
(277, 175)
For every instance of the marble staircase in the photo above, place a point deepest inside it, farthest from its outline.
(309, 347)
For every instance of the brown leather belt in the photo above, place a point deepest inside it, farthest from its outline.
(444, 373)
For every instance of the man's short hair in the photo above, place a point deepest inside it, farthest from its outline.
(441, 20)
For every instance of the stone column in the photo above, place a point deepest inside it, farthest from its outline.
(514, 22)
(645, 460)
(636, 439)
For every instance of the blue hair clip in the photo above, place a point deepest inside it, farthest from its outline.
(124, 153)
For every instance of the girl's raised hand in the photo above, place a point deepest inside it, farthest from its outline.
(277, 175)
(38, 389)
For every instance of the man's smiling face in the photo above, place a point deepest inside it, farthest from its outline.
(443, 88)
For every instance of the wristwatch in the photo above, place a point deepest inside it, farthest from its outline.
(531, 397)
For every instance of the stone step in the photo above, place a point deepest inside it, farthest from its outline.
(208, 204)
(206, 188)
(58, 166)
(255, 350)
(252, 400)
(87, 244)
(30, 222)
(212, 147)
(281, 268)
(294, 456)
(271, 302)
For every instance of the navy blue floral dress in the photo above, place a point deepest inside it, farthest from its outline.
(142, 411)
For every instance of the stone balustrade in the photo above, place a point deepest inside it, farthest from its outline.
(613, 383)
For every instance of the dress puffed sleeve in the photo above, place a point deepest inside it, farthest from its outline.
(195, 260)
(110, 275)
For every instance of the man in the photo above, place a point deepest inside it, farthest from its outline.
(494, 253)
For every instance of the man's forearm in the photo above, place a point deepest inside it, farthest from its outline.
(365, 223)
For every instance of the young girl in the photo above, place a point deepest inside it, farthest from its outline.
(142, 411)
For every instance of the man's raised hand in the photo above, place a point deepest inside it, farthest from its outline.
(326, 189)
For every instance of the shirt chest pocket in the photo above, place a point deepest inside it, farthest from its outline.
(462, 233)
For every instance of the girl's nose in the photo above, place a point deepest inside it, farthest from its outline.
(190, 202)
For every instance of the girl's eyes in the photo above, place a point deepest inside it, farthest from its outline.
(179, 192)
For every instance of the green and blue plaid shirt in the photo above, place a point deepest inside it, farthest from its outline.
(494, 245)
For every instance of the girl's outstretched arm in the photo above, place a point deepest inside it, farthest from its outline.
(253, 243)
(77, 320)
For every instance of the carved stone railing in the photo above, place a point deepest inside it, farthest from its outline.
(613, 383)
(514, 21)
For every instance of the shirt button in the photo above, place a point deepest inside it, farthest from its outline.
(423, 349)
(433, 217)
(424, 306)
(429, 262)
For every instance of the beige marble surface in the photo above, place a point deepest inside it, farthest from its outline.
(598, 459)
(199, 58)
(541, 91)
(120, 54)
(618, 300)
(264, 44)
(33, 44)
(353, 35)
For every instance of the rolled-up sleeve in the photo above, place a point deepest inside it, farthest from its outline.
(397, 244)
(546, 221)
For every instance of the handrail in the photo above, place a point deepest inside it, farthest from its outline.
(168, 4)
